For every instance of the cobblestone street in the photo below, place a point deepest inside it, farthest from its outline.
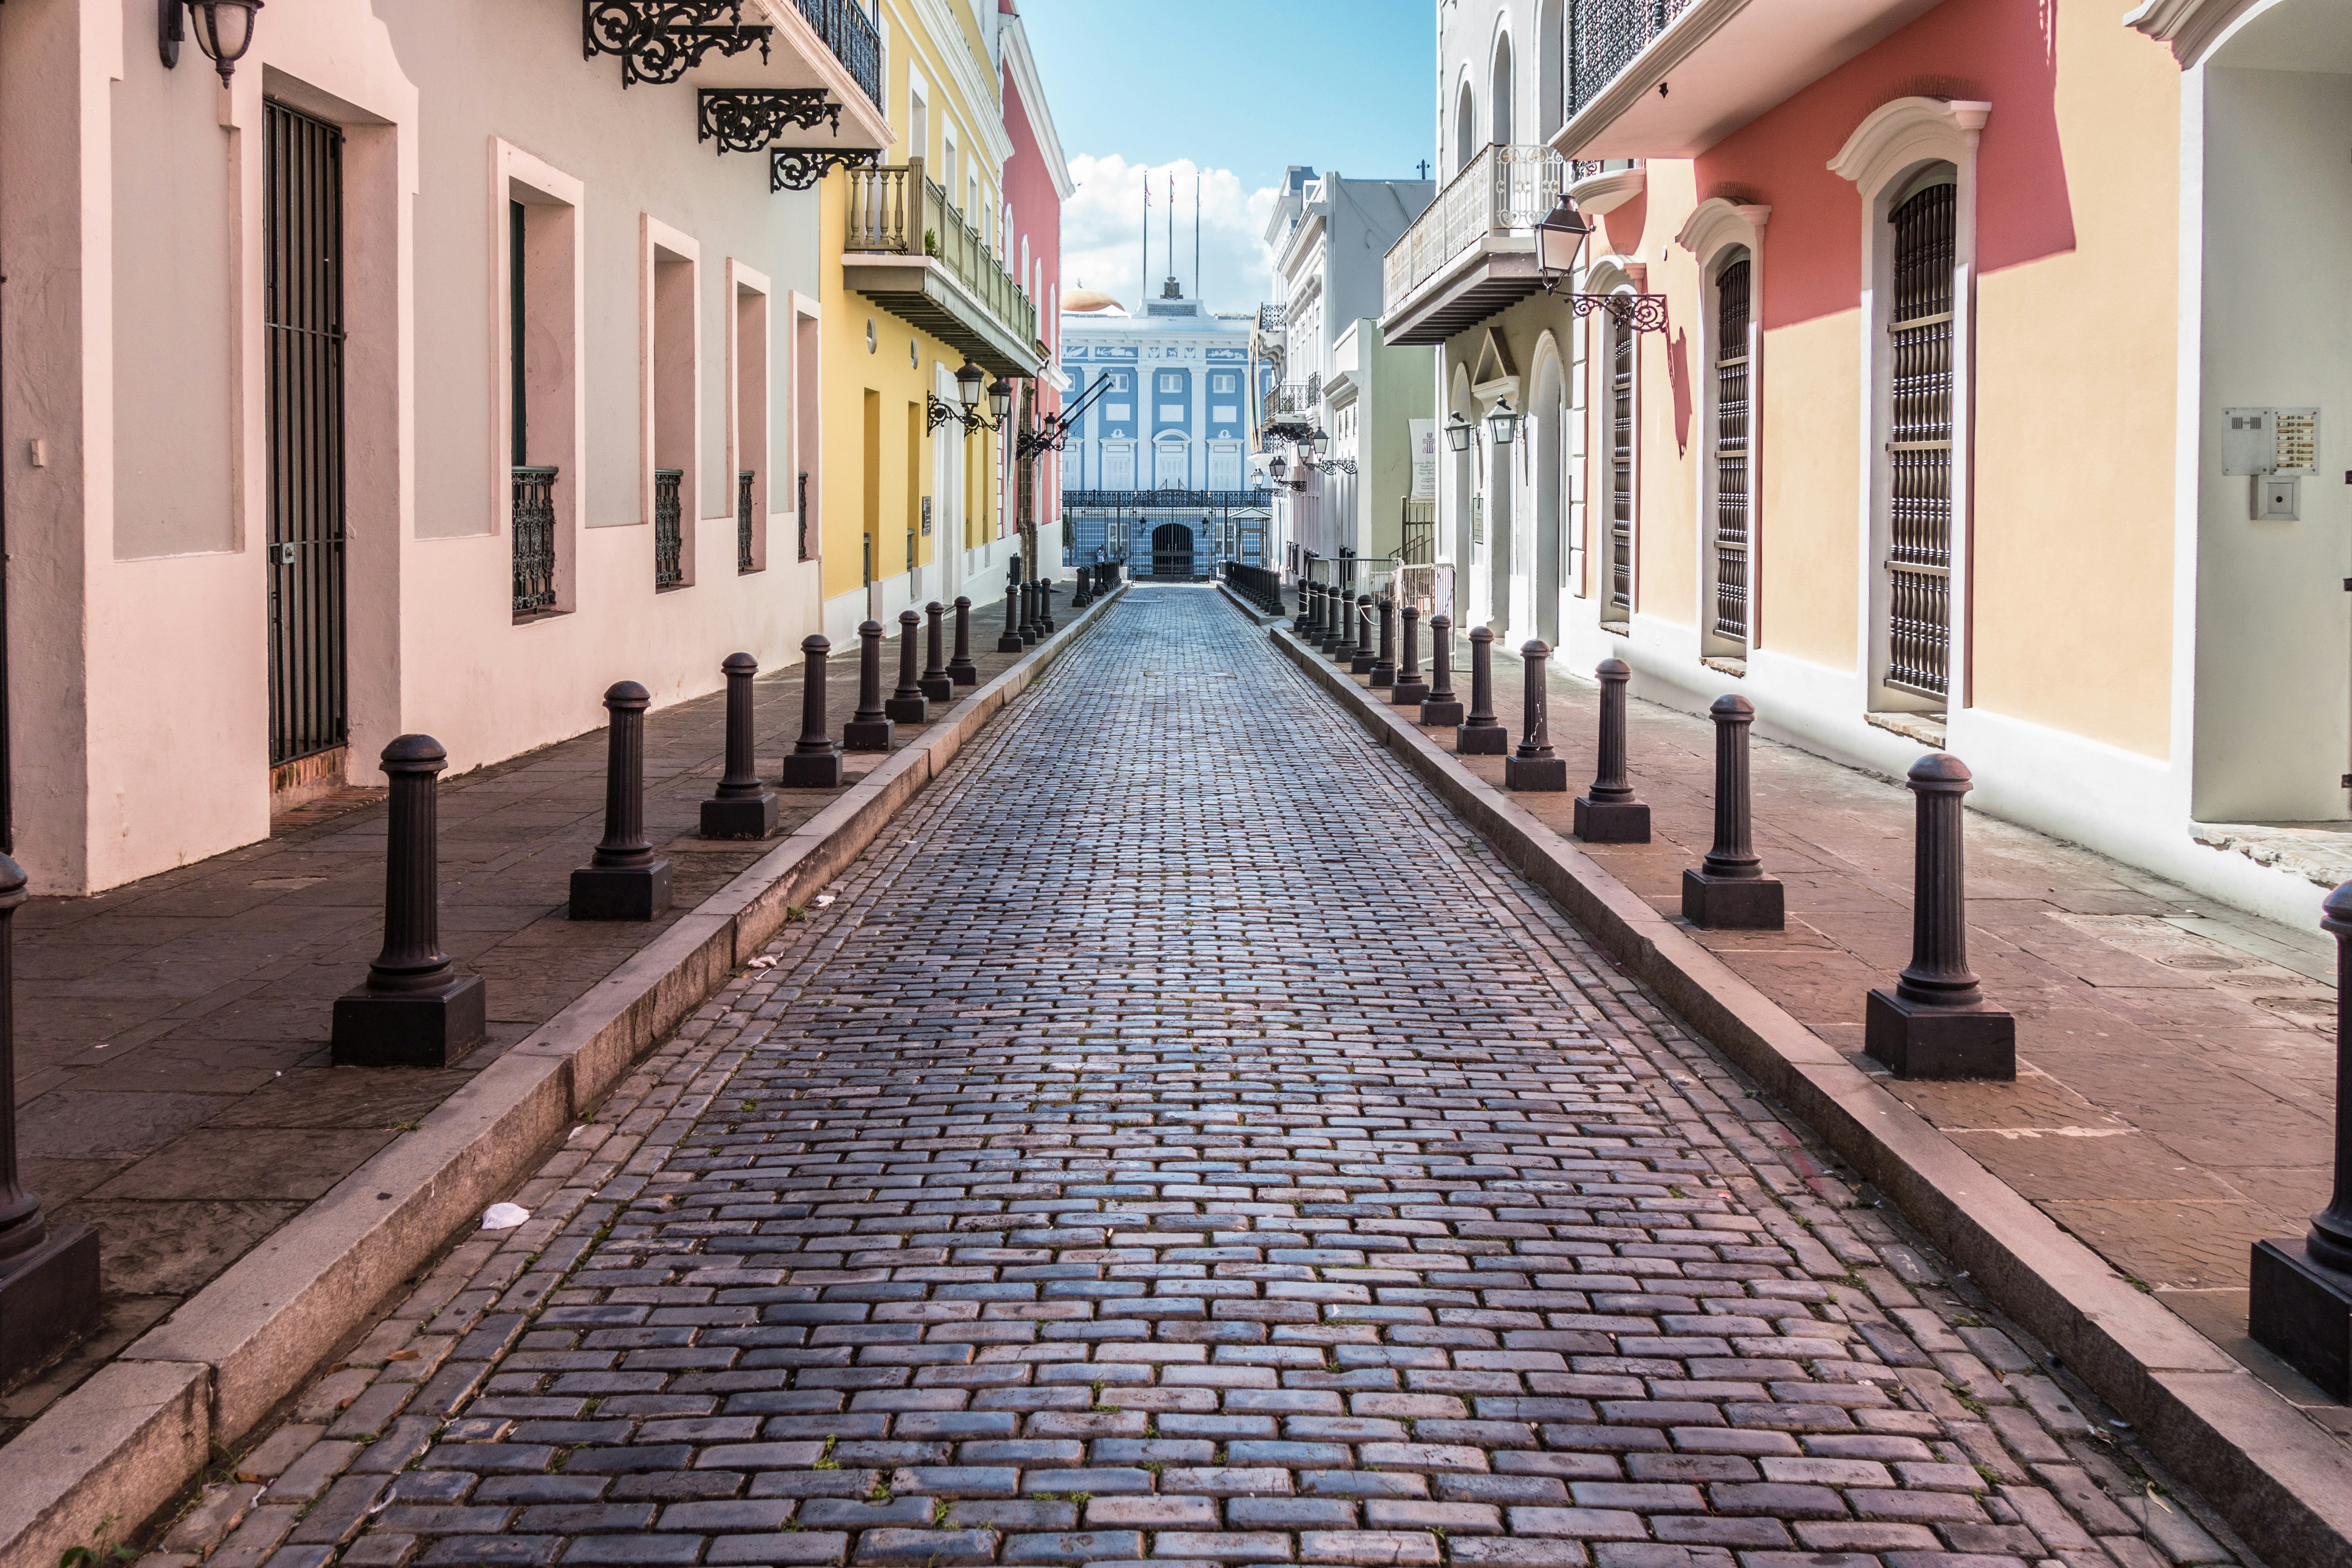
(1239, 1165)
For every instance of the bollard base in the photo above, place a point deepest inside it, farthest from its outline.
(906, 710)
(620, 892)
(49, 1299)
(754, 817)
(865, 735)
(1545, 774)
(1612, 821)
(811, 769)
(410, 1028)
(1010, 643)
(1481, 740)
(1732, 903)
(1362, 664)
(964, 674)
(937, 688)
(2303, 1311)
(1916, 1042)
(1446, 712)
(1409, 693)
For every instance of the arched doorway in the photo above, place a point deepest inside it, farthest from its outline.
(1171, 551)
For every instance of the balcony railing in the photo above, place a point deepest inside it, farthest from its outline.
(895, 210)
(1609, 34)
(849, 32)
(534, 541)
(669, 539)
(1506, 189)
(1294, 401)
(743, 561)
(1269, 318)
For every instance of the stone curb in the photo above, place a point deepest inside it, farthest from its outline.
(2282, 1483)
(130, 1439)
(1247, 608)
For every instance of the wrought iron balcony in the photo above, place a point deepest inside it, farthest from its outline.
(1506, 191)
(849, 32)
(669, 538)
(1608, 35)
(534, 541)
(1269, 318)
(1293, 405)
(911, 251)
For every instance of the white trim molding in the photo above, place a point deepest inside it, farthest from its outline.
(2190, 26)
(1596, 196)
(1657, 61)
(1714, 226)
(1716, 223)
(1910, 130)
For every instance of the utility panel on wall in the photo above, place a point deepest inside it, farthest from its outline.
(2276, 449)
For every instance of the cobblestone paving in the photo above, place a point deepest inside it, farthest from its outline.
(1151, 1182)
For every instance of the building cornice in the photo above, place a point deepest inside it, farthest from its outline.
(1032, 89)
(2190, 26)
(1596, 194)
(1715, 222)
(1683, 36)
(1905, 128)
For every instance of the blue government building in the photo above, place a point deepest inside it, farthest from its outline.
(1158, 472)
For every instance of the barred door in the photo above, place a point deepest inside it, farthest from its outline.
(1621, 471)
(1731, 424)
(1919, 450)
(302, 241)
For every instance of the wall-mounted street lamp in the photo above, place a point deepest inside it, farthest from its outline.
(1558, 239)
(965, 410)
(1278, 468)
(1503, 424)
(1320, 441)
(223, 31)
(1458, 432)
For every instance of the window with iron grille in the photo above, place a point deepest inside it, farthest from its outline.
(1732, 422)
(669, 565)
(800, 514)
(743, 554)
(302, 302)
(1919, 444)
(534, 541)
(1620, 607)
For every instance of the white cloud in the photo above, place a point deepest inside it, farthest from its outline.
(1102, 232)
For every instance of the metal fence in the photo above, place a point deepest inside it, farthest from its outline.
(1188, 500)
(1506, 189)
(1420, 532)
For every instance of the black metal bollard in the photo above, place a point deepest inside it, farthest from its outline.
(1410, 689)
(741, 806)
(814, 761)
(1440, 706)
(414, 1009)
(48, 1269)
(935, 683)
(1482, 734)
(624, 880)
(868, 729)
(961, 671)
(1534, 766)
(907, 705)
(1608, 812)
(1010, 641)
(1368, 652)
(1045, 607)
(2300, 1303)
(1935, 1022)
(1340, 641)
(1383, 670)
(1730, 891)
(1030, 633)
(1079, 599)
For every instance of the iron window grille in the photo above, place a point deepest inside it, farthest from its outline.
(669, 538)
(1732, 420)
(534, 541)
(743, 560)
(1919, 451)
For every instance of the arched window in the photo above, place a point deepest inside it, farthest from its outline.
(1919, 448)
(1499, 90)
(1465, 128)
(1734, 419)
(1551, 63)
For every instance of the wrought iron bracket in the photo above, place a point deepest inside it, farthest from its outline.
(746, 120)
(660, 40)
(1337, 465)
(939, 411)
(800, 168)
(1636, 312)
(1052, 437)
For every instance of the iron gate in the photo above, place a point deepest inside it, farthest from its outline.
(1620, 470)
(1919, 450)
(1731, 419)
(302, 241)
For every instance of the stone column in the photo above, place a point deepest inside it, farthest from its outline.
(741, 807)
(1482, 734)
(414, 1009)
(1608, 812)
(815, 761)
(624, 880)
(1730, 891)
(1935, 1022)
(1440, 707)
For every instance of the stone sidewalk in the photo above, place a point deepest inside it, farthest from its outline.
(172, 1034)
(1116, 1189)
(2176, 1058)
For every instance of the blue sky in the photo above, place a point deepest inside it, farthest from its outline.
(1232, 92)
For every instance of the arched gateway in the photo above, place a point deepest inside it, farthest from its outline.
(1171, 551)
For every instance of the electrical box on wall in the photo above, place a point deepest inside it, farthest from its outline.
(2276, 449)
(927, 517)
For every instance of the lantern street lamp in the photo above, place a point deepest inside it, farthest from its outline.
(965, 411)
(1320, 441)
(223, 31)
(969, 381)
(999, 399)
(1560, 239)
(1458, 432)
(1278, 468)
(1502, 423)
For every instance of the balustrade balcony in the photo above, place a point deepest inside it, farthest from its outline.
(912, 251)
(1472, 252)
